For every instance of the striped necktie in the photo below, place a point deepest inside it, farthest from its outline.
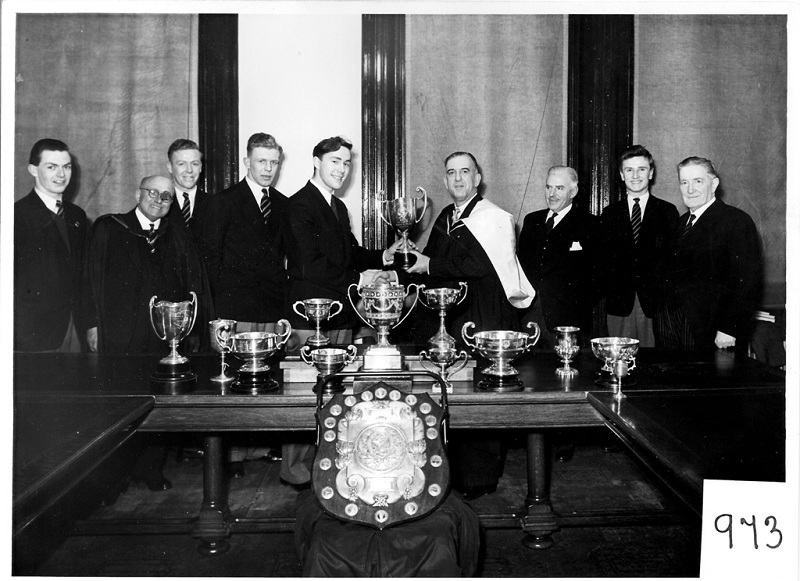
(265, 205)
(688, 225)
(187, 208)
(151, 235)
(59, 208)
(636, 219)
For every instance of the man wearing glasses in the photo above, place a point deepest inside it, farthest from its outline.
(133, 257)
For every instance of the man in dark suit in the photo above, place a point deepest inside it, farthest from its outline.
(557, 249)
(635, 233)
(714, 271)
(241, 238)
(50, 235)
(324, 257)
(185, 165)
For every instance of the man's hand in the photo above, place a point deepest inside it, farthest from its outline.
(91, 339)
(421, 265)
(724, 341)
(396, 247)
(385, 276)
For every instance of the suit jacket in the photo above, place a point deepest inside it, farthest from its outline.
(455, 256)
(561, 266)
(46, 273)
(715, 272)
(633, 268)
(124, 271)
(324, 257)
(201, 200)
(244, 257)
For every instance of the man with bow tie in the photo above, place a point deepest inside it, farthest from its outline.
(50, 236)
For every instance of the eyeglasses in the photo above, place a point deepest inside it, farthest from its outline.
(156, 195)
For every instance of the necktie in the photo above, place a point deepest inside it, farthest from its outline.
(333, 207)
(636, 219)
(688, 225)
(151, 235)
(548, 225)
(187, 208)
(59, 208)
(265, 205)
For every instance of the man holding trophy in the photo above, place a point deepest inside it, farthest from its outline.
(474, 241)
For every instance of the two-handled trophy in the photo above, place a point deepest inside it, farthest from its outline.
(172, 322)
(254, 348)
(567, 348)
(328, 361)
(221, 331)
(316, 311)
(402, 214)
(501, 348)
(383, 309)
(442, 346)
(619, 357)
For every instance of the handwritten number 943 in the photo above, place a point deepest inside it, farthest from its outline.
(724, 524)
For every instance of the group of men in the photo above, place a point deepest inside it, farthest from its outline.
(250, 252)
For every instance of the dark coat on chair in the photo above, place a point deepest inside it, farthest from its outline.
(324, 257)
(244, 257)
(715, 273)
(561, 266)
(47, 273)
(632, 268)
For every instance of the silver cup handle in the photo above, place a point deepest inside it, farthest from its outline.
(383, 210)
(221, 341)
(294, 308)
(465, 355)
(421, 295)
(350, 298)
(333, 313)
(194, 311)
(424, 204)
(305, 354)
(287, 330)
(416, 298)
(423, 357)
(153, 323)
(462, 292)
(466, 336)
(534, 337)
(351, 354)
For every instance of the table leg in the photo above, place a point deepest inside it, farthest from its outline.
(212, 526)
(539, 522)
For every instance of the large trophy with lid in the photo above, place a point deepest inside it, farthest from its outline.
(402, 214)
(383, 310)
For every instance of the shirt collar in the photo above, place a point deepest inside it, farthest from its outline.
(49, 199)
(145, 221)
(642, 201)
(255, 188)
(561, 213)
(699, 211)
(326, 193)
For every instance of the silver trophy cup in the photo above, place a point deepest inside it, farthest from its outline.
(442, 300)
(172, 322)
(383, 310)
(501, 348)
(567, 348)
(221, 331)
(328, 361)
(619, 357)
(254, 348)
(316, 311)
(445, 357)
(402, 217)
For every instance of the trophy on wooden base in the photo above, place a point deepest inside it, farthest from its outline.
(316, 311)
(501, 348)
(172, 322)
(328, 361)
(254, 348)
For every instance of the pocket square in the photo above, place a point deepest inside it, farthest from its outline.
(575, 246)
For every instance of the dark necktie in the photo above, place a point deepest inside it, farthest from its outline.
(636, 219)
(548, 225)
(688, 225)
(333, 207)
(59, 208)
(187, 208)
(151, 235)
(265, 205)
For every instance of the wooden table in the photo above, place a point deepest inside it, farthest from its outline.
(548, 401)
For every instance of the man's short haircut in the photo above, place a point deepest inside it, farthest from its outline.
(571, 173)
(460, 153)
(45, 145)
(330, 145)
(264, 140)
(694, 160)
(182, 145)
(636, 151)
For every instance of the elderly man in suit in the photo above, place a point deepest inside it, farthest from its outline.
(50, 235)
(557, 249)
(713, 273)
(635, 233)
(185, 163)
